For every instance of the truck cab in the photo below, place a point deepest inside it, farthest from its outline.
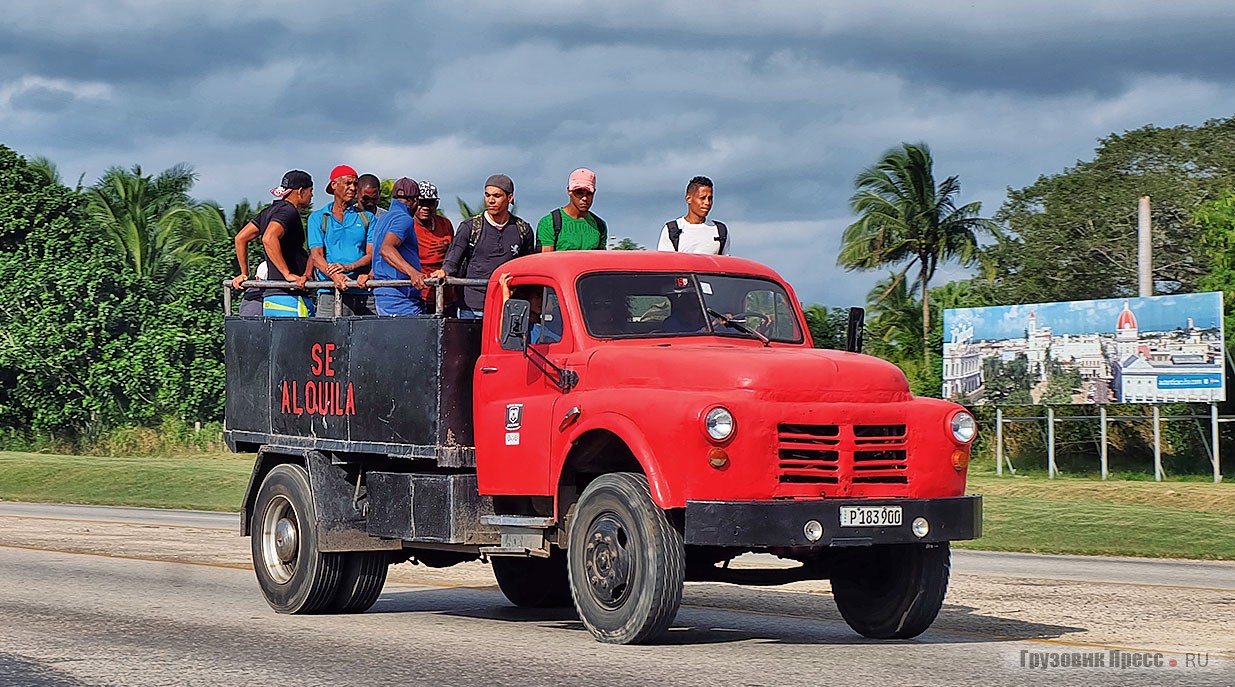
(618, 423)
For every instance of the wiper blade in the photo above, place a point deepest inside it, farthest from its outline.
(731, 322)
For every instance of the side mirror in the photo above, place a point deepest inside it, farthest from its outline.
(515, 315)
(857, 323)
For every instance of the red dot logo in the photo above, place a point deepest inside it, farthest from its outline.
(1174, 663)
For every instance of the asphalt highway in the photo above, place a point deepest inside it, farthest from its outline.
(97, 617)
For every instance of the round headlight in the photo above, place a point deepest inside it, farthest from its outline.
(964, 427)
(718, 423)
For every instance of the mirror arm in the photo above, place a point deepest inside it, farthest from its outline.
(564, 379)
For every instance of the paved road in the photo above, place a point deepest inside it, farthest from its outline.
(74, 619)
(1217, 575)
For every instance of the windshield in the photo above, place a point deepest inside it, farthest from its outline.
(634, 304)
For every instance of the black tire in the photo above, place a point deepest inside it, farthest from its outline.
(295, 577)
(361, 578)
(893, 591)
(534, 582)
(626, 561)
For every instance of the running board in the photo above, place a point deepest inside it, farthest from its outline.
(521, 535)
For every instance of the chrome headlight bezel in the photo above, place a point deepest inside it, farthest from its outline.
(719, 424)
(963, 427)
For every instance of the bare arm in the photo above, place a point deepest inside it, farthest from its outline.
(274, 253)
(390, 253)
(247, 234)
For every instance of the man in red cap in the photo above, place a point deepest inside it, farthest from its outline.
(338, 245)
(573, 226)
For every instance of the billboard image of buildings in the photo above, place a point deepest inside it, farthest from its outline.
(1160, 349)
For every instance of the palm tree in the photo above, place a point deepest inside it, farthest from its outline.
(903, 217)
(161, 230)
(894, 320)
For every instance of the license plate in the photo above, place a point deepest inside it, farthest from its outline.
(870, 516)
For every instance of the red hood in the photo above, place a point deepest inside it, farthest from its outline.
(776, 374)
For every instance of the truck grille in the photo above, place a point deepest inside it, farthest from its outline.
(846, 456)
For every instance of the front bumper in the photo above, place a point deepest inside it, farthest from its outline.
(780, 523)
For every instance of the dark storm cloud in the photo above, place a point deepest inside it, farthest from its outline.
(781, 103)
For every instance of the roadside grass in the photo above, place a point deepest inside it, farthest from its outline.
(1067, 515)
(1071, 515)
(210, 481)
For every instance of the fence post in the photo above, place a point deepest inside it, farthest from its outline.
(999, 441)
(1050, 441)
(1157, 445)
(1102, 415)
(1213, 424)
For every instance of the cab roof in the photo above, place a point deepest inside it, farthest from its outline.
(565, 265)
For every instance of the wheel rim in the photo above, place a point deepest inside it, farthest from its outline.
(609, 561)
(280, 539)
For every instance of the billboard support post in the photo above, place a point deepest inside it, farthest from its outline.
(999, 441)
(1157, 445)
(1213, 431)
(1050, 440)
(1102, 416)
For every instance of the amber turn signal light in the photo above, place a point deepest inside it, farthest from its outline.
(960, 458)
(717, 458)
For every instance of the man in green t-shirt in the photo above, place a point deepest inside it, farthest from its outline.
(573, 226)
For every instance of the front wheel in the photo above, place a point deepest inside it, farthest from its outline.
(892, 591)
(294, 575)
(626, 561)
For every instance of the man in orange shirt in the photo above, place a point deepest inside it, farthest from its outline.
(433, 234)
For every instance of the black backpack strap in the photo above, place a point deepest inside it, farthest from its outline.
(474, 226)
(604, 232)
(524, 230)
(557, 225)
(722, 236)
(675, 233)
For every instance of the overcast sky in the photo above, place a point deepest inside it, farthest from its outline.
(781, 103)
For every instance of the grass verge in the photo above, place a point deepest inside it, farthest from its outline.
(197, 482)
(1090, 517)
(1022, 513)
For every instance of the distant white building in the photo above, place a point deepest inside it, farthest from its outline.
(962, 363)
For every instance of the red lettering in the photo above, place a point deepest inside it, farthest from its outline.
(286, 406)
(316, 367)
(351, 402)
(310, 397)
(329, 360)
(326, 405)
(295, 401)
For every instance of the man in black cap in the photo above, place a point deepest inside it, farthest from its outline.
(485, 241)
(282, 234)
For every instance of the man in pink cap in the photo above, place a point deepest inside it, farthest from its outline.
(573, 226)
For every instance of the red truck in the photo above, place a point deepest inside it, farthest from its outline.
(618, 424)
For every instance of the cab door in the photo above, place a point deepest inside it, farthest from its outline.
(515, 421)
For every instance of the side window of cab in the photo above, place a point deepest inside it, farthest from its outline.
(546, 321)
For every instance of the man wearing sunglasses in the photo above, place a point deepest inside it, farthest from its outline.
(433, 233)
(573, 226)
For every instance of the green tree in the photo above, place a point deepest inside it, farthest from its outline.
(1217, 221)
(1073, 235)
(624, 243)
(904, 218)
(895, 320)
(159, 228)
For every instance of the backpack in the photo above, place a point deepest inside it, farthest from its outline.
(600, 224)
(364, 219)
(722, 235)
(474, 227)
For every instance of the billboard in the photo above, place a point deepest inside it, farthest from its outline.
(1159, 349)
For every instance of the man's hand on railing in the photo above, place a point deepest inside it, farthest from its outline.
(340, 280)
(300, 279)
(238, 282)
(363, 280)
(417, 279)
(438, 274)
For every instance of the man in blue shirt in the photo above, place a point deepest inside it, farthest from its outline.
(339, 245)
(396, 253)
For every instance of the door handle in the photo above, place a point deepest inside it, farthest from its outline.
(488, 370)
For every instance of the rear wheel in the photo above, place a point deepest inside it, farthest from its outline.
(295, 577)
(626, 561)
(534, 582)
(893, 591)
(361, 578)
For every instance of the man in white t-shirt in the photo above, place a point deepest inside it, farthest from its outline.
(694, 232)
